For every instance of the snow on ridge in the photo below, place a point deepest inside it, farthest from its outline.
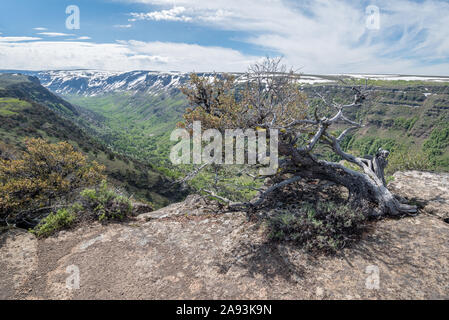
(394, 77)
(94, 82)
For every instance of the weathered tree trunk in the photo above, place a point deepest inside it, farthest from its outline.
(363, 187)
(378, 163)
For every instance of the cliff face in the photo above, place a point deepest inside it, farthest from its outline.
(187, 251)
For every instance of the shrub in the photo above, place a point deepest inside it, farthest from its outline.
(326, 227)
(106, 204)
(100, 204)
(45, 173)
(436, 144)
(55, 221)
(402, 160)
(438, 139)
(370, 145)
(403, 123)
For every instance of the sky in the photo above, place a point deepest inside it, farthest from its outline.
(314, 37)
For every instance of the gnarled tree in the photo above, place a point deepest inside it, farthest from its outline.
(268, 97)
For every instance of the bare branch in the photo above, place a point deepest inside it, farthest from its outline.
(314, 140)
(256, 202)
(359, 125)
(214, 195)
(191, 175)
(345, 132)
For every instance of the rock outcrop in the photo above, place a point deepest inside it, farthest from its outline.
(193, 205)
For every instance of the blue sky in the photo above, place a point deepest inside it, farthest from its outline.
(406, 36)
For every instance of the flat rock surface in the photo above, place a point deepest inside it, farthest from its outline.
(180, 255)
(430, 190)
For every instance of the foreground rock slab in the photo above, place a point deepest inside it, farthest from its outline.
(224, 257)
(185, 251)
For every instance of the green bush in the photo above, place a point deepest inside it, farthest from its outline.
(370, 145)
(44, 174)
(402, 123)
(437, 142)
(325, 227)
(100, 204)
(106, 204)
(402, 160)
(55, 221)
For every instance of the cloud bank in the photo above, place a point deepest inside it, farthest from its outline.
(120, 56)
(317, 36)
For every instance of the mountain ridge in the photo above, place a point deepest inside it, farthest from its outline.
(95, 82)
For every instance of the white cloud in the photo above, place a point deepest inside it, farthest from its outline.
(40, 29)
(125, 26)
(78, 38)
(120, 56)
(55, 34)
(328, 36)
(174, 14)
(18, 39)
(320, 36)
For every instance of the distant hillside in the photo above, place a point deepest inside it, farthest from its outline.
(29, 110)
(29, 88)
(135, 123)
